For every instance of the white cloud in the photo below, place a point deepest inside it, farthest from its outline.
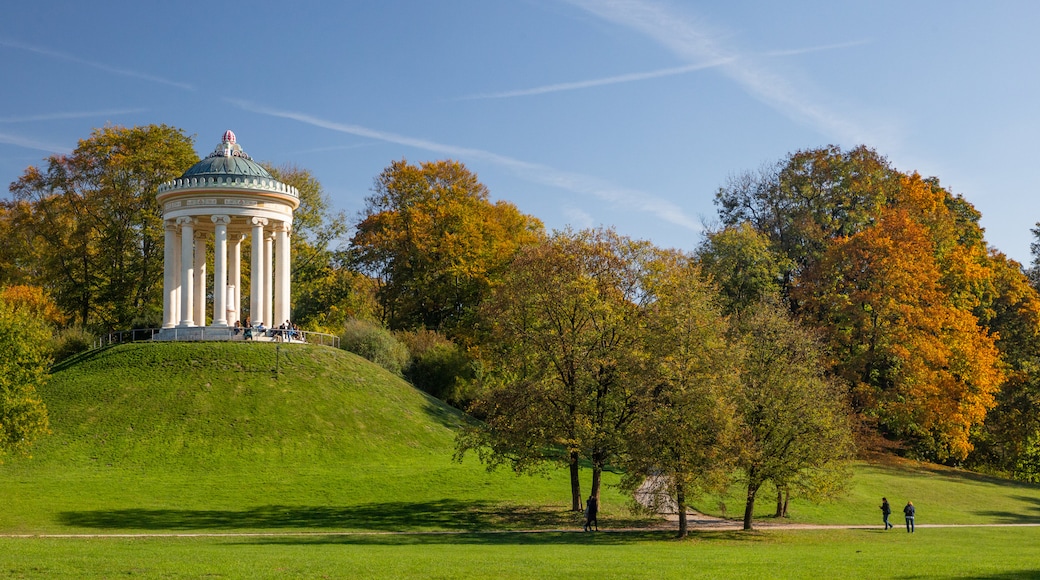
(693, 41)
(579, 218)
(536, 173)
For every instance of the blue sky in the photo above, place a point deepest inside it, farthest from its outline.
(628, 113)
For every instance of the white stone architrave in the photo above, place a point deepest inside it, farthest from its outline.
(226, 198)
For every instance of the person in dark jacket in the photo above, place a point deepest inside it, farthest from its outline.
(886, 510)
(591, 508)
(909, 511)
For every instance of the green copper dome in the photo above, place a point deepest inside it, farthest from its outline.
(227, 159)
(230, 166)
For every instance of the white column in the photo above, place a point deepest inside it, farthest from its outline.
(176, 314)
(187, 273)
(256, 274)
(200, 278)
(220, 276)
(281, 275)
(235, 276)
(269, 278)
(170, 250)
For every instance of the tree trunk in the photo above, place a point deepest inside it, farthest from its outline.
(680, 504)
(597, 475)
(779, 503)
(787, 498)
(749, 507)
(575, 483)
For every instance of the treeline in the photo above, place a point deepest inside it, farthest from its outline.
(834, 290)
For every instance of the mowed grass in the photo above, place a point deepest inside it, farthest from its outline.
(207, 436)
(996, 553)
(941, 495)
(340, 469)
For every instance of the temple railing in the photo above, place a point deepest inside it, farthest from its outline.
(217, 333)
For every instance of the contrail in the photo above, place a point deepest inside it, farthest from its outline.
(574, 182)
(98, 65)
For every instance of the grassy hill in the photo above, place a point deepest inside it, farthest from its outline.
(211, 438)
(222, 436)
(251, 436)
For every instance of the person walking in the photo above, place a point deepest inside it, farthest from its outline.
(886, 510)
(909, 511)
(591, 508)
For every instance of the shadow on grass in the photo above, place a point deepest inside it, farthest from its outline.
(442, 515)
(1030, 516)
(952, 474)
(1019, 575)
(443, 414)
(604, 537)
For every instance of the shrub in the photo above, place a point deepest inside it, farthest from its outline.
(438, 366)
(375, 343)
(70, 341)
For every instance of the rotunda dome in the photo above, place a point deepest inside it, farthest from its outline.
(228, 159)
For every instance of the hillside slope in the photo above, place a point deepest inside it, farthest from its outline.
(192, 403)
(252, 436)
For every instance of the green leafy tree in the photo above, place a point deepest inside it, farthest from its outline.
(679, 443)
(808, 199)
(90, 225)
(436, 243)
(325, 292)
(739, 260)
(564, 342)
(794, 420)
(1009, 439)
(24, 342)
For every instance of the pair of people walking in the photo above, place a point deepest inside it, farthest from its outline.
(591, 508)
(908, 511)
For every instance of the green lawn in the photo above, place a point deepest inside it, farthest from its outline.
(998, 553)
(210, 439)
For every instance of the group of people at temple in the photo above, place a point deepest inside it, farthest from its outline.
(287, 331)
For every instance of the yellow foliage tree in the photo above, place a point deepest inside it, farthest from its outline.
(920, 363)
(436, 243)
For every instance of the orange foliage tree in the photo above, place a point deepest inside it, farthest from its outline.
(436, 243)
(33, 300)
(896, 301)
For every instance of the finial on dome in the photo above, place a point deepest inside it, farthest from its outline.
(229, 147)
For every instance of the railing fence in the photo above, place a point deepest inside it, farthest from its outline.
(206, 333)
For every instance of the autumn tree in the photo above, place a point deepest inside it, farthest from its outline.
(436, 243)
(679, 444)
(1009, 439)
(563, 343)
(901, 325)
(24, 366)
(33, 302)
(89, 225)
(741, 263)
(325, 291)
(808, 199)
(869, 252)
(794, 421)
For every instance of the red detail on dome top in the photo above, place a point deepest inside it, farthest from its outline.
(229, 136)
